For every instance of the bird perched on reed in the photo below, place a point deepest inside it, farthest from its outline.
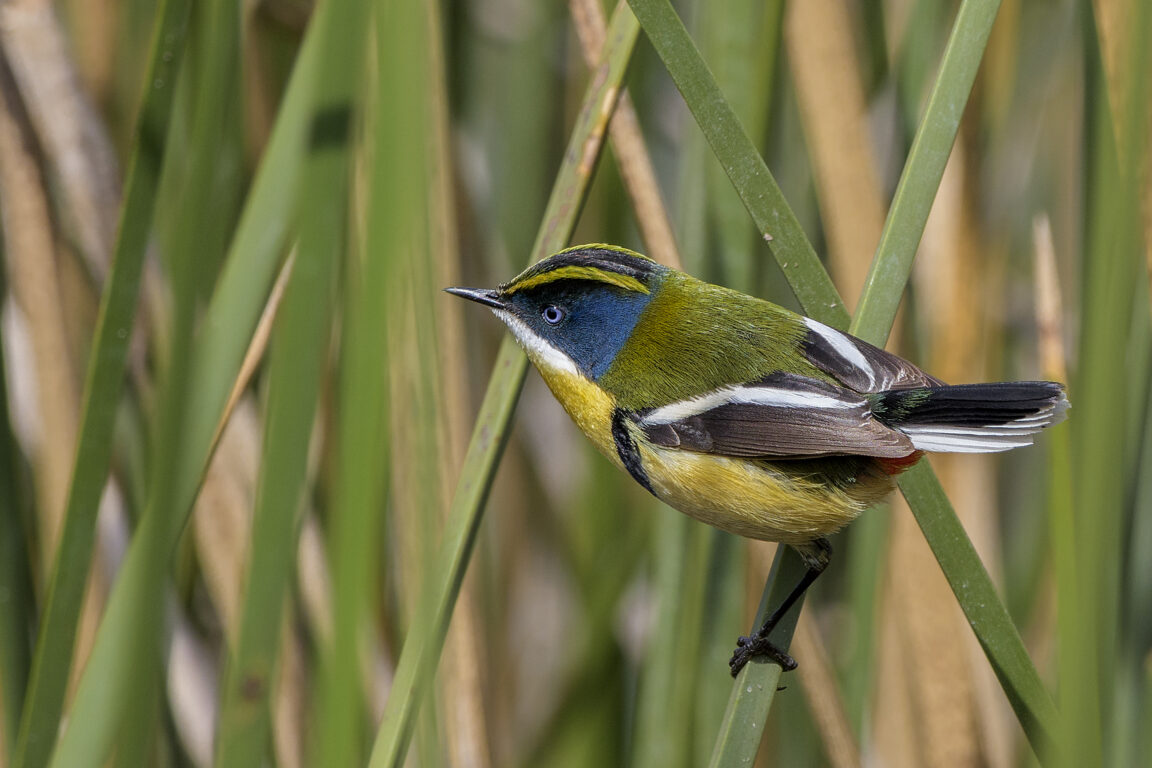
(738, 412)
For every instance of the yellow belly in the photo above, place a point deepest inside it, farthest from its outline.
(760, 500)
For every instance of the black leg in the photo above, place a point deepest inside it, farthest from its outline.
(816, 557)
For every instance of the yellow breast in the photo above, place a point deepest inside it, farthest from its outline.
(588, 405)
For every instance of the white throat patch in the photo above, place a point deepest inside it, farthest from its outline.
(542, 353)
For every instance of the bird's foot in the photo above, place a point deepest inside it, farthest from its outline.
(758, 645)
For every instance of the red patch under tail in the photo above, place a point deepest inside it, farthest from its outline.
(898, 465)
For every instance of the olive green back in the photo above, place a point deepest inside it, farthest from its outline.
(695, 337)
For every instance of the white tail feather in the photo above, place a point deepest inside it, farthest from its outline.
(947, 438)
(943, 441)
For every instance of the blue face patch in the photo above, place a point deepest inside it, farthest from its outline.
(585, 320)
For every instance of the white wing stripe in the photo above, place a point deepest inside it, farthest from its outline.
(766, 396)
(844, 347)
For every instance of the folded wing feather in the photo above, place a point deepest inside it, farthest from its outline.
(783, 415)
(857, 364)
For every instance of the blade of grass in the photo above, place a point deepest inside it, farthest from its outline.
(601, 549)
(741, 39)
(1117, 137)
(462, 693)
(208, 87)
(398, 196)
(1139, 577)
(822, 692)
(668, 688)
(37, 287)
(743, 725)
(117, 712)
(834, 109)
(295, 371)
(923, 170)
(982, 607)
(16, 595)
(53, 659)
(219, 350)
(758, 190)
(975, 592)
(868, 546)
(725, 604)
(874, 52)
(127, 728)
(917, 56)
(426, 635)
(1078, 696)
(1078, 693)
(628, 145)
(294, 377)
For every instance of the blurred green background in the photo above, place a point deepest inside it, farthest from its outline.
(224, 509)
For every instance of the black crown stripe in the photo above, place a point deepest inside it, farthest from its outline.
(606, 259)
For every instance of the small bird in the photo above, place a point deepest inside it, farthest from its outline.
(738, 412)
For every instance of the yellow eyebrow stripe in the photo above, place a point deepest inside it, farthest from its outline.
(579, 273)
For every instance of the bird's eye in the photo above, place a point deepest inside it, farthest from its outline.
(552, 314)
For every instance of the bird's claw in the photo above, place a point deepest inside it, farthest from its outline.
(758, 645)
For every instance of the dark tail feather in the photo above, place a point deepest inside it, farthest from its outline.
(972, 418)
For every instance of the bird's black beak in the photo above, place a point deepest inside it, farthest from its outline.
(483, 296)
